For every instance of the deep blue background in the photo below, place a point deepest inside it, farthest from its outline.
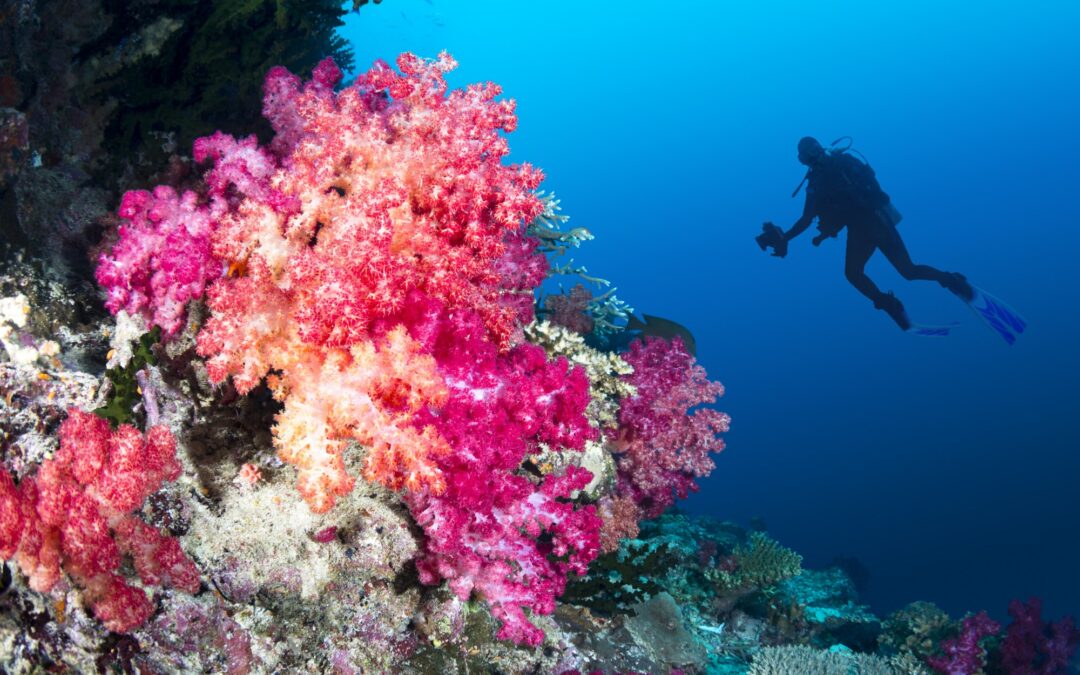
(950, 467)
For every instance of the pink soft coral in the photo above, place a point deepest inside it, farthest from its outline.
(75, 515)
(162, 259)
(494, 531)
(379, 276)
(661, 445)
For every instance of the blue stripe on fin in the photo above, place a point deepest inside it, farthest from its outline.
(1006, 321)
(931, 331)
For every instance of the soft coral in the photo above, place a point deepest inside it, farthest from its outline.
(1033, 647)
(361, 200)
(662, 447)
(75, 515)
(493, 530)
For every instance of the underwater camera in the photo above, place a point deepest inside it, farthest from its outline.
(772, 237)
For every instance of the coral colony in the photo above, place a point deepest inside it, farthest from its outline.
(371, 265)
(375, 268)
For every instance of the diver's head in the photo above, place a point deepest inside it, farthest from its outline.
(810, 151)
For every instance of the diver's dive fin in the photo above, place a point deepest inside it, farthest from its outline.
(931, 331)
(1004, 319)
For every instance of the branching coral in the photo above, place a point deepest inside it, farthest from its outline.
(914, 629)
(761, 562)
(804, 660)
(578, 310)
(75, 515)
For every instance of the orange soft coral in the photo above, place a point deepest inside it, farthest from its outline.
(392, 186)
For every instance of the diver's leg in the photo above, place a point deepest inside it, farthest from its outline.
(859, 249)
(860, 246)
(892, 245)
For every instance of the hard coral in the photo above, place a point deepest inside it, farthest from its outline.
(662, 445)
(76, 515)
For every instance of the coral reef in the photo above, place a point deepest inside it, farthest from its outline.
(802, 660)
(965, 653)
(1031, 646)
(915, 630)
(380, 262)
(366, 450)
(760, 562)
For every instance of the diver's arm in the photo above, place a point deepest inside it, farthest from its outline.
(802, 223)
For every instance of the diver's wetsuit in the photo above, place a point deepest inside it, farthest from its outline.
(870, 227)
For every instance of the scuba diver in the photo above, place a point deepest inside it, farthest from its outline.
(842, 191)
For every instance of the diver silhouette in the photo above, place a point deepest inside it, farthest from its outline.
(842, 191)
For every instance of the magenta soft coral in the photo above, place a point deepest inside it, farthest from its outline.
(393, 185)
(964, 655)
(379, 266)
(1033, 647)
(493, 531)
(662, 444)
(76, 516)
(162, 259)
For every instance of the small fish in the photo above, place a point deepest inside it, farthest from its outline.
(664, 328)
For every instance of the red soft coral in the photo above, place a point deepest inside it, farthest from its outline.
(661, 445)
(75, 515)
(571, 310)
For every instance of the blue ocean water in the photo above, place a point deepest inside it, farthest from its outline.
(950, 467)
